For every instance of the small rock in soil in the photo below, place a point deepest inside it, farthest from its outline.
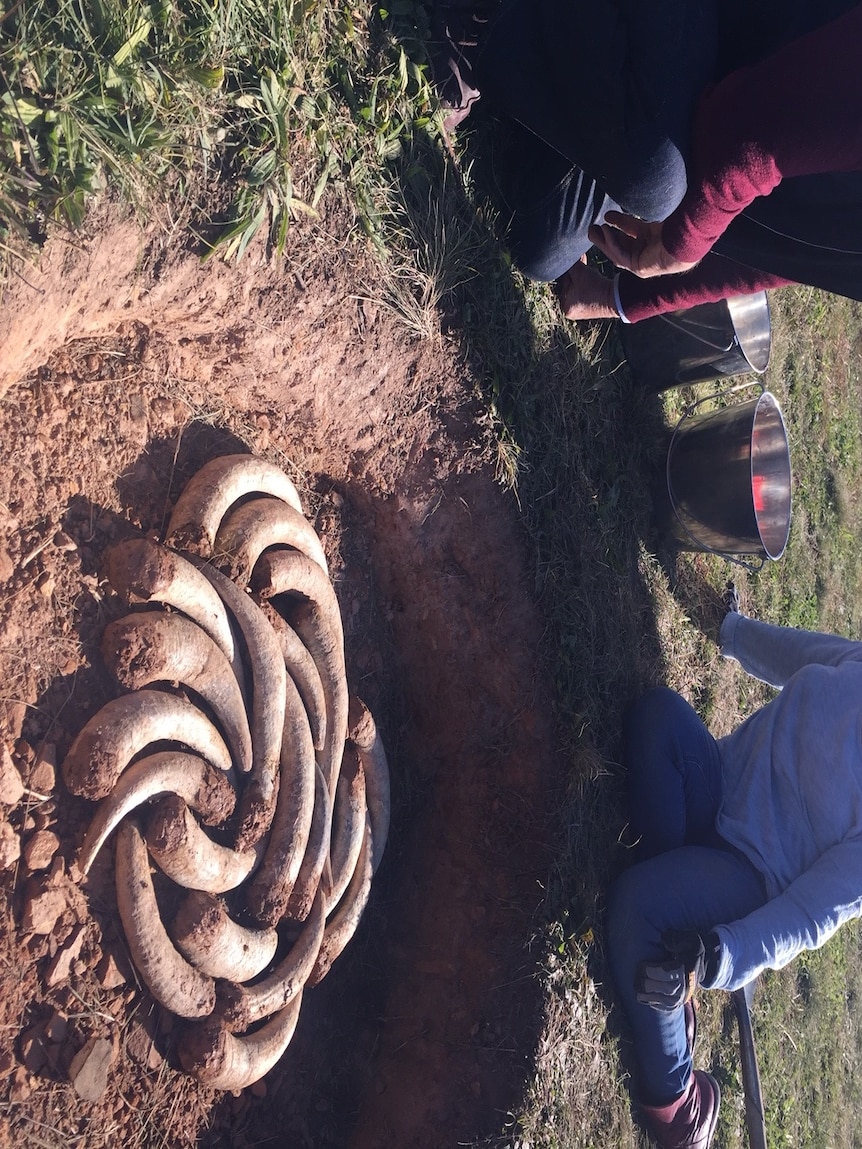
(33, 1052)
(62, 930)
(20, 1088)
(11, 783)
(46, 584)
(117, 1007)
(109, 974)
(62, 965)
(42, 909)
(43, 815)
(15, 712)
(90, 1067)
(43, 775)
(36, 946)
(10, 846)
(24, 753)
(40, 849)
(141, 1048)
(7, 567)
(74, 895)
(57, 1027)
(63, 542)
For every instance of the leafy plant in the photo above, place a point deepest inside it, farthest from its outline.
(153, 97)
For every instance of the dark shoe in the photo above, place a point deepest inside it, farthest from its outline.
(688, 1122)
(458, 31)
(730, 598)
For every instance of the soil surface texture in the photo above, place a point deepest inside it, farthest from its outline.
(125, 366)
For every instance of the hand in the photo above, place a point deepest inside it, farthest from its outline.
(635, 245)
(691, 962)
(584, 294)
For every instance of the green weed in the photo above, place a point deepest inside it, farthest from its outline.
(246, 111)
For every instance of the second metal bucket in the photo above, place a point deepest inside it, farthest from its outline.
(728, 480)
(712, 340)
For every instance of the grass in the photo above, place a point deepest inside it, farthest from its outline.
(641, 615)
(242, 114)
(624, 612)
(238, 114)
(810, 1009)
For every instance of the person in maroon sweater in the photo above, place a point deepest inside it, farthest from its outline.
(774, 191)
(708, 147)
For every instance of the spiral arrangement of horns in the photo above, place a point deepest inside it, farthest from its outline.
(238, 763)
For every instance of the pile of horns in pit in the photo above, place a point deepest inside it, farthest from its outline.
(248, 692)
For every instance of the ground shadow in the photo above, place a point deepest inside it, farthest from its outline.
(589, 446)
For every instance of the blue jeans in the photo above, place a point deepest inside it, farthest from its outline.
(687, 876)
(548, 204)
(601, 98)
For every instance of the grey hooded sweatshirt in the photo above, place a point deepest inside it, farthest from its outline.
(792, 794)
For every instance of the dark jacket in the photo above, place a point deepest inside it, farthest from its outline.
(616, 94)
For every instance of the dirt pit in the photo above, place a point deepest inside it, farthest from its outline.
(126, 367)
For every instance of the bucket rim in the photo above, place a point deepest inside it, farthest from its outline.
(735, 304)
(767, 398)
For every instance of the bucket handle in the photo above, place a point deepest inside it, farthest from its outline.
(699, 335)
(749, 566)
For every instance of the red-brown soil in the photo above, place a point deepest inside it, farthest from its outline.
(124, 367)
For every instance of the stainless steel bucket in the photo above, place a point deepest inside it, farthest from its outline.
(710, 341)
(729, 481)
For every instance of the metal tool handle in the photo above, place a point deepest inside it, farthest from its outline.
(692, 407)
(696, 331)
(755, 1121)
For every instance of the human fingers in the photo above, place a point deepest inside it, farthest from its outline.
(644, 255)
(615, 244)
(622, 221)
(663, 1002)
(661, 985)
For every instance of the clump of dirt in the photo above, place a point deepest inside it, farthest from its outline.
(125, 368)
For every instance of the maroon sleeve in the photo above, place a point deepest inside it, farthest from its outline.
(715, 277)
(798, 112)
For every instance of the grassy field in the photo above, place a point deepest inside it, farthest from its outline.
(229, 119)
(625, 612)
